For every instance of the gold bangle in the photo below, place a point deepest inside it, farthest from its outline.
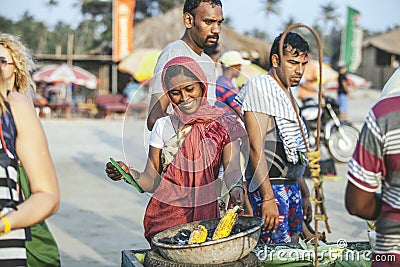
(7, 225)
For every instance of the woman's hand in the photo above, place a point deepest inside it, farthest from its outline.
(113, 173)
(237, 196)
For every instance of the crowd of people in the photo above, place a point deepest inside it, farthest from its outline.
(268, 162)
(206, 134)
(261, 115)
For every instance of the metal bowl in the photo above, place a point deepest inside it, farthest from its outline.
(228, 249)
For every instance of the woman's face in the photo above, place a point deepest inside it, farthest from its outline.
(9, 69)
(185, 92)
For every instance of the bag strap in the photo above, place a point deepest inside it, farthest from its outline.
(12, 203)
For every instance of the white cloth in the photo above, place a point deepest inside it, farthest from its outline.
(162, 132)
(165, 138)
(180, 48)
(263, 94)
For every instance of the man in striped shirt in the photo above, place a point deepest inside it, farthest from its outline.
(226, 91)
(231, 63)
(277, 147)
(374, 167)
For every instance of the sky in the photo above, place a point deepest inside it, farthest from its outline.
(245, 15)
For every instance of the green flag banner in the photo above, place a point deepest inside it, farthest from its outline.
(351, 49)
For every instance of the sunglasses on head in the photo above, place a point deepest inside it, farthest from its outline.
(4, 63)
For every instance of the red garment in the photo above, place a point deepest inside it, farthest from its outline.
(187, 191)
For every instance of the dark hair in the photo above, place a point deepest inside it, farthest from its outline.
(191, 5)
(293, 39)
(175, 70)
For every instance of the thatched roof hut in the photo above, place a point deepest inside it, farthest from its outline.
(380, 57)
(387, 42)
(158, 31)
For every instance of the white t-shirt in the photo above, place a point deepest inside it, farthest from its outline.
(162, 132)
(180, 48)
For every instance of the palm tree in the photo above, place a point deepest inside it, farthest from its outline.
(271, 8)
(329, 17)
(52, 3)
(290, 21)
(328, 22)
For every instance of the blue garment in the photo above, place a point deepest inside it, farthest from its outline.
(343, 102)
(289, 202)
(226, 93)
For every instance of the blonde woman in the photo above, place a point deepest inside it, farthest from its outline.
(17, 74)
(22, 139)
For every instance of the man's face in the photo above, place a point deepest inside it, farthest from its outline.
(206, 24)
(237, 69)
(292, 66)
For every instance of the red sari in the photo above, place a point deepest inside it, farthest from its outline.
(187, 191)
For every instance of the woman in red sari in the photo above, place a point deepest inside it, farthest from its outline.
(186, 150)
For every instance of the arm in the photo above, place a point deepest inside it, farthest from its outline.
(157, 109)
(366, 171)
(306, 204)
(232, 172)
(149, 179)
(238, 111)
(32, 150)
(363, 204)
(257, 125)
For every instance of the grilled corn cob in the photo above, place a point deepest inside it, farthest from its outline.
(226, 223)
(198, 235)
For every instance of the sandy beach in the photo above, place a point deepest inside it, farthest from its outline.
(98, 218)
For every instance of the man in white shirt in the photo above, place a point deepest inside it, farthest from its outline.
(277, 190)
(202, 19)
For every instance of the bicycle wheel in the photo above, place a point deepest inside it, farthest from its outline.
(342, 143)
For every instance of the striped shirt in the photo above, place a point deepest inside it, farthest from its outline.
(226, 93)
(376, 164)
(12, 244)
(263, 94)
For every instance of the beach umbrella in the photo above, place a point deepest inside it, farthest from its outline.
(247, 72)
(328, 73)
(140, 63)
(66, 74)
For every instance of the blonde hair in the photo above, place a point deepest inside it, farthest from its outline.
(3, 92)
(23, 62)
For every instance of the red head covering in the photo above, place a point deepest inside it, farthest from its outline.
(187, 191)
(205, 113)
